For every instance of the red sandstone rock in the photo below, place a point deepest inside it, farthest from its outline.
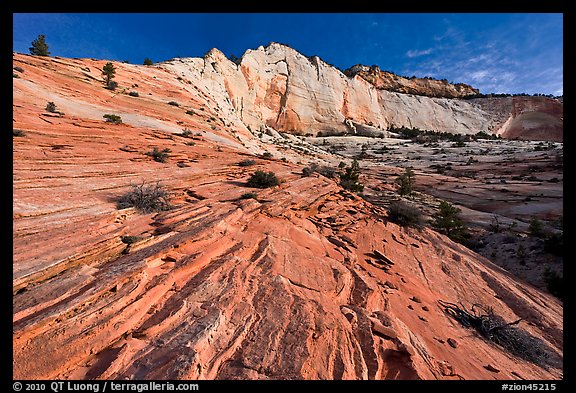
(229, 288)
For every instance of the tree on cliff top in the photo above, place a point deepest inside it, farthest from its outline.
(108, 71)
(39, 46)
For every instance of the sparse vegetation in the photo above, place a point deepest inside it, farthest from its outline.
(261, 179)
(190, 112)
(39, 46)
(405, 214)
(406, 182)
(447, 221)
(249, 195)
(18, 133)
(326, 171)
(186, 133)
(15, 76)
(134, 94)
(349, 178)
(115, 119)
(536, 228)
(159, 155)
(19, 69)
(267, 155)
(173, 103)
(145, 198)
(247, 162)
(130, 239)
(147, 62)
(51, 107)
(508, 336)
(109, 72)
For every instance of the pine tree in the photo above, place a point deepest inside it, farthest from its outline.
(147, 61)
(108, 71)
(406, 182)
(39, 46)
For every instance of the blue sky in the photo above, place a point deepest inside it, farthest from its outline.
(499, 53)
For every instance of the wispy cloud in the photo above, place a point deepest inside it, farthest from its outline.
(492, 62)
(417, 53)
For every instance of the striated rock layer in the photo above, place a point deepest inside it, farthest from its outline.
(276, 86)
(306, 281)
(429, 87)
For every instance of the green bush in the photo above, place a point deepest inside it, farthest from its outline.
(536, 228)
(111, 85)
(159, 155)
(134, 94)
(186, 133)
(17, 133)
(190, 112)
(447, 221)
(267, 155)
(249, 195)
(261, 179)
(349, 178)
(173, 103)
(405, 214)
(51, 107)
(145, 198)
(115, 119)
(147, 61)
(406, 182)
(130, 239)
(247, 162)
(322, 170)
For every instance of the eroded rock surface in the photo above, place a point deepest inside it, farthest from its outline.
(284, 286)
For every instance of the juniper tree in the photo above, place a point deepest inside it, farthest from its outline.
(39, 46)
(108, 71)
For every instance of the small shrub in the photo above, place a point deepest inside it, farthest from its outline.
(406, 182)
(134, 94)
(267, 155)
(190, 112)
(447, 221)
(249, 195)
(51, 107)
(405, 214)
(17, 133)
(130, 239)
(247, 162)
(261, 179)
(349, 178)
(147, 61)
(115, 119)
(19, 69)
(159, 155)
(145, 198)
(111, 85)
(173, 103)
(15, 76)
(536, 228)
(186, 133)
(322, 170)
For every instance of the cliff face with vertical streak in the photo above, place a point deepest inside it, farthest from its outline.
(278, 87)
(303, 281)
